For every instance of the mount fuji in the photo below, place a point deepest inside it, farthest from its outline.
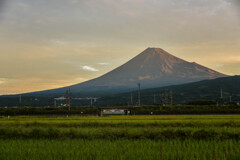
(154, 67)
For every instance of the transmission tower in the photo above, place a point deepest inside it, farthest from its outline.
(221, 93)
(131, 105)
(171, 97)
(91, 101)
(68, 99)
(166, 97)
(154, 99)
(55, 103)
(162, 99)
(20, 100)
(139, 94)
(131, 99)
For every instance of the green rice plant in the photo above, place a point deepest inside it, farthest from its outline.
(118, 149)
(120, 137)
(126, 127)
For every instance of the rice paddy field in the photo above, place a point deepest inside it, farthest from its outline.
(120, 137)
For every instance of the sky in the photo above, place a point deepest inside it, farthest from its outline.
(47, 44)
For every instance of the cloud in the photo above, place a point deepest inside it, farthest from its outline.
(58, 42)
(89, 68)
(218, 65)
(236, 2)
(3, 80)
(2, 3)
(108, 33)
(2, 7)
(104, 63)
(231, 68)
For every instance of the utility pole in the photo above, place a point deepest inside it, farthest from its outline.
(171, 97)
(131, 99)
(70, 100)
(154, 99)
(221, 93)
(162, 99)
(91, 101)
(166, 97)
(139, 96)
(20, 100)
(67, 98)
(55, 102)
(221, 100)
(131, 109)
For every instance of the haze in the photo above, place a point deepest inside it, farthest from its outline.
(47, 44)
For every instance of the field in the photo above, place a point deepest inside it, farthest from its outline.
(120, 137)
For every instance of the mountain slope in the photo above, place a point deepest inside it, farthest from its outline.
(153, 67)
(182, 94)
(156, 67)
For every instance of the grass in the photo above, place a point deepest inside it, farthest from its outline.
(120, 137)
(122, 127)
(118, 150)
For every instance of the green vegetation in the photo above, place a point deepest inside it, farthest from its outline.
(120, 137)
(188, 109)
(47, 111)
(118, 150)
(143, 110)
(122, 127)
(202, 103)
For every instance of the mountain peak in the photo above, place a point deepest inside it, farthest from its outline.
(155, 50)
(156, 57)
